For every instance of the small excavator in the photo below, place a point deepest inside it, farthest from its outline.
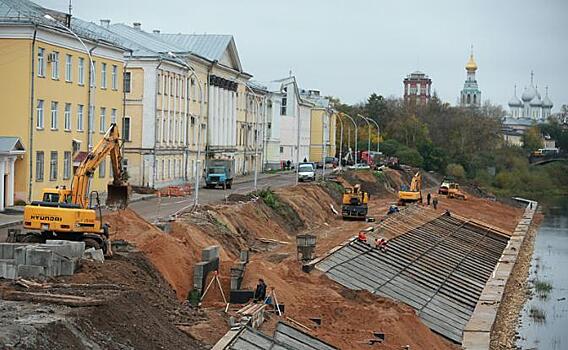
(355, 203)
(412, 194)
(71, 213)
(455, 192)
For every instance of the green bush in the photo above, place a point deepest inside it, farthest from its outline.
(409, 156)
(269, 198)
(455, 170)
(390, 146)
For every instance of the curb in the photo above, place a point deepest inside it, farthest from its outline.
(12, 223)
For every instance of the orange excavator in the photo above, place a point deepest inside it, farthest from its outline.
(71, 213)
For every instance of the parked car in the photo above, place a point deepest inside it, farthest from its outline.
(359, 166)
(306, 172)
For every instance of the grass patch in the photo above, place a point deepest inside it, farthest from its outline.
(269, 198)
(282, 209)
(537, 314)
(334, 189)
(542, 288)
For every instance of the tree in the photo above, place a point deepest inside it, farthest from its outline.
(532, 139)
(410, 156)
(455, 170)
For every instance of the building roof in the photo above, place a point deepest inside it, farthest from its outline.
(212, 47)
(471, 65)
(27, 12)
(518, 121)
(11, 144)
(514, 101)
(546, 102)
(141, 42)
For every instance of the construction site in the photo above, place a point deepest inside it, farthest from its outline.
(405, 277)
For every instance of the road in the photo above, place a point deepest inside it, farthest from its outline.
(156, 208)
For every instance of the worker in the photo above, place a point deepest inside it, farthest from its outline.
(362, 237)
(428, 198)
(260, 292)
(381, 244)
(435, 202)
(305, 160)
(392, 209)
(194, 297)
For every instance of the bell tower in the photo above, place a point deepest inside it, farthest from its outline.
(470, 94)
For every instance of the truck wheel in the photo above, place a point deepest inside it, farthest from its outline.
(91, 243)
(32, 238)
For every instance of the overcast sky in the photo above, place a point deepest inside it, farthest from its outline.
(350, 49)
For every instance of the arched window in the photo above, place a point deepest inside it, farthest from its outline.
(468, 98)
(474, 99)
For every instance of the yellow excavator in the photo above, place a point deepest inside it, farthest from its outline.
(355, 203)
(412, 194)
(71, 213)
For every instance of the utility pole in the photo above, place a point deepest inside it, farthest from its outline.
(368, 138)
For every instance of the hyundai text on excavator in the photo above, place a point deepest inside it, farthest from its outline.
(354, 204)
(412, 194)
(71, 213)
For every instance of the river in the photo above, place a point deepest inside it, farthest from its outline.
(544, 318)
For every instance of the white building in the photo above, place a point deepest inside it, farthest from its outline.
(531, 105)
(285, 105)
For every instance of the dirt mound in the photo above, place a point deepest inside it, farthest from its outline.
(173, 254)
(366, 178)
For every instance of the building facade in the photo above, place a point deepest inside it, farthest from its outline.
(531, 105)
(417, 88)
(322, 126)
(56, 104)
(470, 95)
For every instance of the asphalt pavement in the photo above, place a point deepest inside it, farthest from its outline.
(156, 208)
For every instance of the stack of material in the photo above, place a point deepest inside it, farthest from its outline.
(55, 258)
(209, 263)
(237, 295)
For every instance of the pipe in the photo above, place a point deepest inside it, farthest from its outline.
(156, 136)
(32, 103)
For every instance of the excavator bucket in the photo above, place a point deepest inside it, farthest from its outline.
(117, 196)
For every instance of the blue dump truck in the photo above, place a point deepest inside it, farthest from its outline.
(220, 172)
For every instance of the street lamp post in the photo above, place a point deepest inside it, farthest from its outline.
(91, 96)
(368, 138)
(200, 85)
(378, 133)
(356, 132)
(323, 125)
(340, 140)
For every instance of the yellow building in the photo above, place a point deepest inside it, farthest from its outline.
(323, 120)
(46, 93)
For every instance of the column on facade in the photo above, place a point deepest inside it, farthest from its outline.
(10, 186)
(225, 118)
(233, 107)
(2, 172)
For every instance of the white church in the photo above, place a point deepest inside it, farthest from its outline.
(531, 105)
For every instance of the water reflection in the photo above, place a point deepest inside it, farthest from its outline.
(544, 319)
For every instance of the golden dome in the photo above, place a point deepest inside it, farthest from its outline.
(471, 65)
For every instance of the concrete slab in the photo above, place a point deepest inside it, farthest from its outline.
(37, 256)
(67, 249)
(31, 271)
(475, 340)
(210, 253)
(7, 249)
(7, 269)
(483, 317)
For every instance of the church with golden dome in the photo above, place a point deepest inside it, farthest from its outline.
(470, 94)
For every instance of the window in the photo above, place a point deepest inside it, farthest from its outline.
(39, 166)
(66, 165)
(194, 89)
(54, 106)
(53, 166)
(39, 117)
(81, 71)
(283, 106)
(163, 169)
(281, 149)
(54, 65)
(93, 75)
(102, 169)
(68, 68)
(126, 129)
(41, 62)
(127, 79)
(67, 117)
(103, 75)
(114, 77)
(113, 115)
(80, 118)
(102, 120)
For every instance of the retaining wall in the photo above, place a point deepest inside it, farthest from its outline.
(477, 333)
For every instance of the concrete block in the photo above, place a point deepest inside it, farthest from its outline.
(31, 271)
(7, 269)
(244, 256)
(475, 340)
(68, 267)
(210, 253)
(40, 257)
(7, 249)
(20, 255)
(94, 254)
(67, 249)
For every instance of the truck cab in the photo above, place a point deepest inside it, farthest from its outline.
(219, 173)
